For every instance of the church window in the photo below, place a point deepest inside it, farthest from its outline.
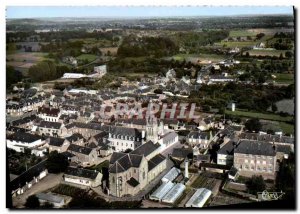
(113, 180)
(144, 175)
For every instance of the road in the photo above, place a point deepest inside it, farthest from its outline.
(50, 181)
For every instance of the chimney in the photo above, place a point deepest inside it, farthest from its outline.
(186, 168)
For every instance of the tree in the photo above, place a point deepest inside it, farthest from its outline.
(274, 107)
(158, 91)
(32, 202)
(256, 184)
(253, 125)
(56, 162)
(288, 54)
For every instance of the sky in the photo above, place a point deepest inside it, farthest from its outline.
(139, 11)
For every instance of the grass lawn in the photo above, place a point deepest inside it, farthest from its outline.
(287, 128)
(201, 57)
(284, 78)
(89, 57)
(236, 33)
(237, 44)
(265, 116)
(100, 166)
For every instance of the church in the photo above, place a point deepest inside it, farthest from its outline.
(130, 172)
(126, 137)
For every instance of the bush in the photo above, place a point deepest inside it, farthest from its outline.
(32, 202)
(256, 184)
(56, 162)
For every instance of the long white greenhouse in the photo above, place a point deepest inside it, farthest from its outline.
(161, 191)
(199, 198)
(171, 175)
(174, 193)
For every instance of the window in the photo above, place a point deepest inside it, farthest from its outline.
(144, 175)
(264, 162)
(113, 180)
(252, 161)
(258, 162)
(134, 170)
(246, 161)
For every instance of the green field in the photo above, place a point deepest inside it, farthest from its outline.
(236, 44)
(196, 57)
(89, 57)
(236, 33)
(287, 128)
(264, 116)
(267, 52)
(284, 78)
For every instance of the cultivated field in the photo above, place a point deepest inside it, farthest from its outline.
(89, 57)
(284, 78)
(265, 116)
(199, 58)
(266, 52)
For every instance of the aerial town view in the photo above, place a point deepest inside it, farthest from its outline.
(150, 107)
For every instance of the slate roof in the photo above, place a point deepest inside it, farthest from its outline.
(286, 149)
(182, 152)
(199, 135)
(80, 149)
(28, 175)
(54, 141)
(133, 182)
(23, 120)
(51, 125)
(267, 137)
(49, 111)
(169, 136)
(74, 137)
(155, 161)
(146, 148)
(82, 173)
(228, 148)
(133, 121)
(125, 131)
(24, 137)
(255, 148)
(126, 162)
(100, 136)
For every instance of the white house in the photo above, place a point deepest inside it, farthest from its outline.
(20, 140)
(85, 177)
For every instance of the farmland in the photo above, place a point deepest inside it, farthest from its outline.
(265, 116)
(201, 58)
(284, 78)
(24, 60)
(88, 57)
(266, 52)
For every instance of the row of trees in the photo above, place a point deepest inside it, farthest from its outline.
(146, 46)
(253, 97)
(46, 70)
(12, 76)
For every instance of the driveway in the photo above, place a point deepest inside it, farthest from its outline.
(50, 181)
